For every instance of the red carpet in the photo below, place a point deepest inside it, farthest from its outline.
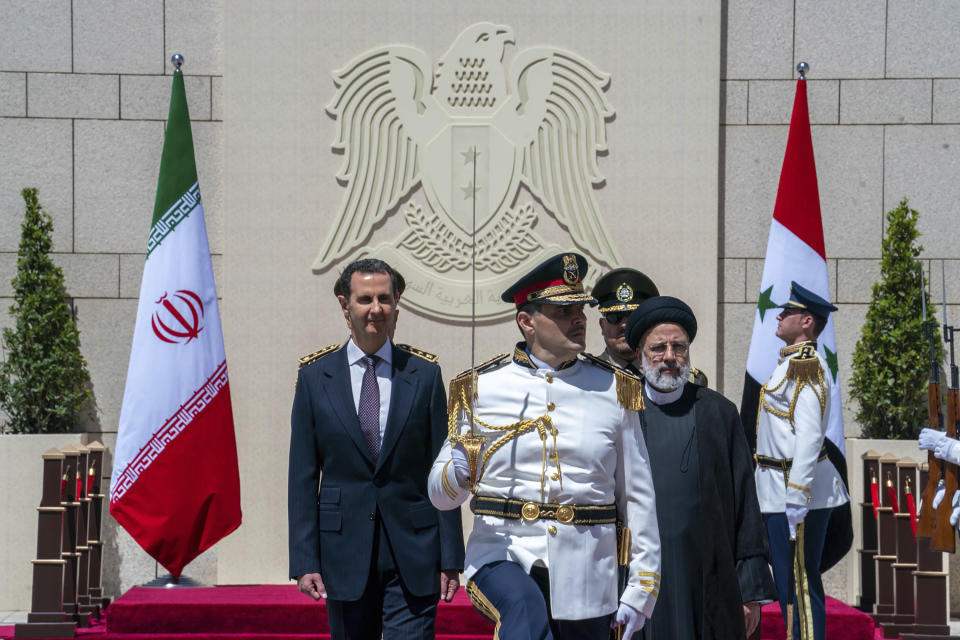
(259, 612)
(843, 622)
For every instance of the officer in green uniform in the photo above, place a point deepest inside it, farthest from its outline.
(619, 292)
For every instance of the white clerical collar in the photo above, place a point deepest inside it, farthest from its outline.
(661, 397)
(354, 353)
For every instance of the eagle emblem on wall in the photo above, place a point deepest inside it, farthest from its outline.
(469, 131)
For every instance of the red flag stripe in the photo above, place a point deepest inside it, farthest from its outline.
(798, 200)
(171, 430)
(197, 474)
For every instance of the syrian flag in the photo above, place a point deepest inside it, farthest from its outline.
(795, 251)
(176, 485)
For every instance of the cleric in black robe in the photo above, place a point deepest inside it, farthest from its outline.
(715, 573)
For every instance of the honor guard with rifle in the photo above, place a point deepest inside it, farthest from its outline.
(619, 292)
(796, 483)
(944, 508)
(547, 448)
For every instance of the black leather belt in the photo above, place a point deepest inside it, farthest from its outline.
(530, 511)
(783, 464)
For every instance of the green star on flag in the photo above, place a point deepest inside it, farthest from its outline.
(764, 304)
(831, 361)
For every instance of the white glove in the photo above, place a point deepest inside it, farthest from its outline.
(937, 498)
(955, 516)
(945, 450)
(795, 514)
(930, 438)
(461, 468)
(631, 618)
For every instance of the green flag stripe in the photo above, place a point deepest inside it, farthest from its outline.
(173, 216)
(178, 168)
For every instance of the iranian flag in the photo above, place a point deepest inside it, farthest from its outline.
(795, 251)
(176, 485)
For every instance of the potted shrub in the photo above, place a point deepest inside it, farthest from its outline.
(891, 361)
(44, 383)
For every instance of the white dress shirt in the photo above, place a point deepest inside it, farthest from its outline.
(383, 369)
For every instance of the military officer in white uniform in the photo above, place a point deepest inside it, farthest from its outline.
(563, 457)
(797, 485)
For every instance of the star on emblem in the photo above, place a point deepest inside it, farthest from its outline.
(469, 190)
(831, 361)
(468, 156)
(764, 304)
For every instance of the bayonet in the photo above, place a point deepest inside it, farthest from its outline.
(927, 519)
(943, 536)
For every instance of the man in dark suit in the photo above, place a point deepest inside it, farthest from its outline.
(368, 419)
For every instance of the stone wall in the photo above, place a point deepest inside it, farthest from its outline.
(884, 95)
(84, 91)
(84, 94)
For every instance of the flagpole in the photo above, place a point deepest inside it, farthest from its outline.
(167, 580)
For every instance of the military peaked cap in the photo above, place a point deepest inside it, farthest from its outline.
(557, 280)
(623, 290)
(807, 300)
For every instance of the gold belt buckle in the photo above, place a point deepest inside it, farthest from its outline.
(530, 511)
(565, 514)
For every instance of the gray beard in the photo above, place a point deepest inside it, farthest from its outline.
(660, 380)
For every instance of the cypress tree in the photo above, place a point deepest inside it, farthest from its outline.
(891, 362)
(44, 383)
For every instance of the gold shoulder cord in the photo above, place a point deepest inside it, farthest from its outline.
(463, 393)
(803, 371)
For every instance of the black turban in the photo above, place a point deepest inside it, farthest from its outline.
(657, 310)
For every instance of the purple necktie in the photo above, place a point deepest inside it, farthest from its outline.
(368, 410)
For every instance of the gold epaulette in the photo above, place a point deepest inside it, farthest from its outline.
(316, 355)
(805, 366)
(462, 389)
(426, 355)
(629, 386)
(695, 375)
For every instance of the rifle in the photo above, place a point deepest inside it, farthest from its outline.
(927, 519)
(943, 537)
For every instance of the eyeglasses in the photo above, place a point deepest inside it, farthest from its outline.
(659, 349)
(614, 317)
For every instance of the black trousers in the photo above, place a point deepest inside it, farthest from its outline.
(385, 607)
(520, 604)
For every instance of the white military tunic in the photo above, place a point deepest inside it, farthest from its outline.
(595, 456)
(791, 425)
